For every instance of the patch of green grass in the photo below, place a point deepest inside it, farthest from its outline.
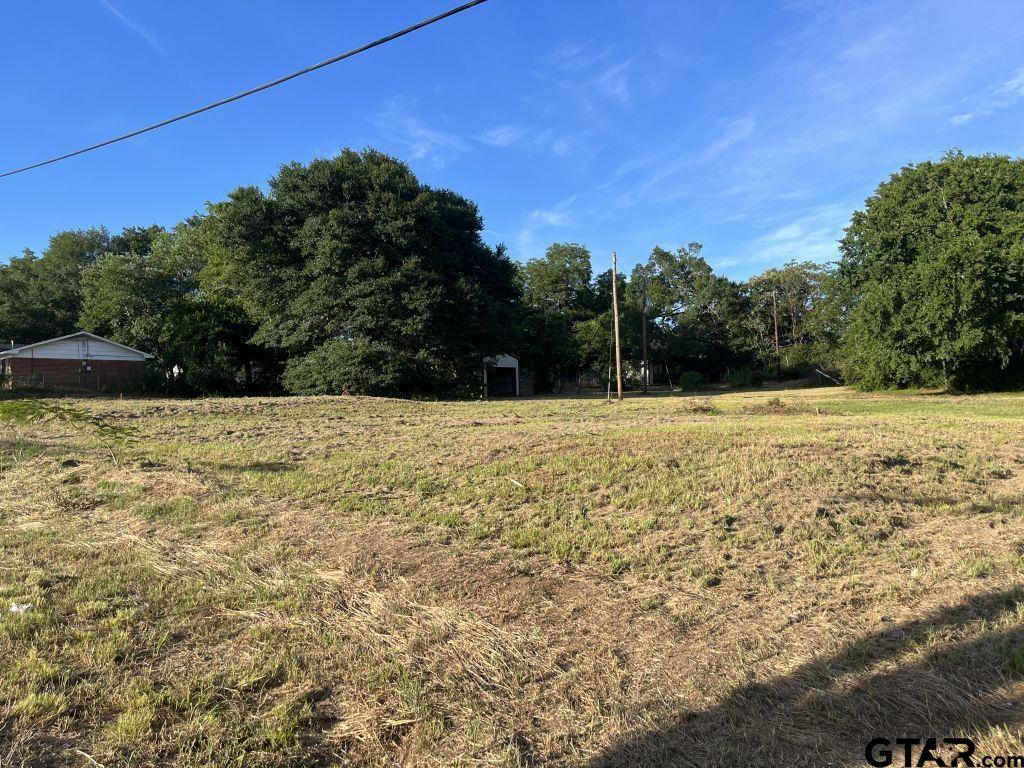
(133, 724)
(36, 669)
(27, 627)
(180, 509)
(1016, 662)
(41, 707)
(280, 728)
(980, 567)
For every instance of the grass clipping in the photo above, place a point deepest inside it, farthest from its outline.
(747, 578)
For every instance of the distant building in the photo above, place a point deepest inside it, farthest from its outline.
(504, 378)
(79, 361)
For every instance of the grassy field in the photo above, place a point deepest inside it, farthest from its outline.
(745, 579)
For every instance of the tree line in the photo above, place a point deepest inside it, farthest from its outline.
(349, 274)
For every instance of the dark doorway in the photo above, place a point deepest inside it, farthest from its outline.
(501, 382)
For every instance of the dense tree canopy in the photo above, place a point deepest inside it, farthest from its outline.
(784, 305)
(349, 274)
(930, 288)
(557, 294)
(149, 297)
(696, 321)
(701, 314)
(41, 296)
(365, 278)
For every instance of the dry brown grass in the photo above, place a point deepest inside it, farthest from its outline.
(756, 578)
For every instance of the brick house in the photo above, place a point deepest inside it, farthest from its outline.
(79, 361)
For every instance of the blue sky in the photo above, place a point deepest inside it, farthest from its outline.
(752, 127)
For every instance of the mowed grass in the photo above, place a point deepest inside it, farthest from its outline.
(764, 578)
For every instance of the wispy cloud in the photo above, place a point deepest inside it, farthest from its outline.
(590, 74)
(868, 48)
(503, 135)
(657, 176)
(573, 58)
(546, 140)
(615, 82)
(562, 146)
(135, 27)
(734, 133)
(552, 217)
(1002, 96)
(812, 236)
(538, 220)
(418, 140)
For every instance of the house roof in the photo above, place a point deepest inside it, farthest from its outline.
(16, 350)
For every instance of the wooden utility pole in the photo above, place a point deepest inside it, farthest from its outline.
(615, 311)
(643, 335)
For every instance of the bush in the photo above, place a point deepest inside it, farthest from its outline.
(364, 367)
(691, 381)
(799, 361)
(746, 376)
(28, 410)
(359, 367)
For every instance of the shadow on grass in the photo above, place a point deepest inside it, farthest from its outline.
(15, 450)
(257, 467)
(964, 678)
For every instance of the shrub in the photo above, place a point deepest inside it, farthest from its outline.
(690, 381)
(364, 367)
(746, 376)
(360, 367)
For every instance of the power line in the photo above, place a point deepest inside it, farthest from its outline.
(257, 89)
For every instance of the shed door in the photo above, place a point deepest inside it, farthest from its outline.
(501, 381)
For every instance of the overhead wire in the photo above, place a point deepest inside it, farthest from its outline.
(257, 89)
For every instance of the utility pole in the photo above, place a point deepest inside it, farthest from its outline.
(615, 311)
(643, 334)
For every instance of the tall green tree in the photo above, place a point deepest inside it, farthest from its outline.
(930, 286)
(350, 262)
(150, 298)
(700, 315)
(593, 335)
(557, 295)
(782, 318)
(41, 296)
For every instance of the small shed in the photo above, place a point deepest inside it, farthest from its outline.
(79, 361)
(501, 376)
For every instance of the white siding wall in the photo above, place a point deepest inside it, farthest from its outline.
(505, 361)
(81, 348)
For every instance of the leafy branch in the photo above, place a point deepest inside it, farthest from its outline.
(31, 411)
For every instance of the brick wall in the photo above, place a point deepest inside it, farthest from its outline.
(96, 376)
